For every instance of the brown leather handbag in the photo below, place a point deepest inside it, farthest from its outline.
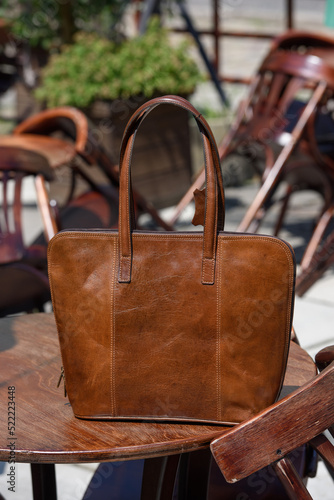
(190, 326)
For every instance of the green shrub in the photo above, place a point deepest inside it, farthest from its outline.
(94, 68)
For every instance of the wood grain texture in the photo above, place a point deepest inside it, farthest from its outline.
(43, 481)
(46, 429)
(277, 430)
(325, 357)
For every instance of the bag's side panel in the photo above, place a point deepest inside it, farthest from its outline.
(256, 276)
(166, 332)
(82, 270)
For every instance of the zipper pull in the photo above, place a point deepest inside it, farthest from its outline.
(62, 376)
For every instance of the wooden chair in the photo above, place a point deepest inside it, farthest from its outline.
(283, 125)
(318, 263)
(23, 275)
(281, 119)
(86, 153)
(304, 162)
(267, 439)
(291, 41)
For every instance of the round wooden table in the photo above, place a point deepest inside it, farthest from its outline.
(45, 429)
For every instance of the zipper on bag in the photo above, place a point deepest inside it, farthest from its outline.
(62, 376)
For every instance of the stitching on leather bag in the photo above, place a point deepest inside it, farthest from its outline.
(168, 236)
(112, 332)
(288, 317)
(53, 299)
(78, 234)
(125, 261)
(218, 341)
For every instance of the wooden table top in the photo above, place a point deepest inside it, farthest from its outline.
(24, 160)
(46, 430)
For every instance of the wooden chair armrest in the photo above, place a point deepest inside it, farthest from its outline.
(47, 120)
(277, 430)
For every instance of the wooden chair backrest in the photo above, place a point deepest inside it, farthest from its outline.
(74, 124)
(65, 118)
(297, 419)
(301, 41)
(280, 80)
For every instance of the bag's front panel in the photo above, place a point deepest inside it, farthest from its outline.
(82, 269)
(165, 345)
(256, 278)
(165, 332)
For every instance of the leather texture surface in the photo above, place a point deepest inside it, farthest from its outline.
(175, 326)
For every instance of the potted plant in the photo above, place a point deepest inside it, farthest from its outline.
(109, 80)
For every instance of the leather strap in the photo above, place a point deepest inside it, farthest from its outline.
(214, 202)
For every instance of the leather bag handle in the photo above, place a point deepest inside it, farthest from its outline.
(214, 194)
